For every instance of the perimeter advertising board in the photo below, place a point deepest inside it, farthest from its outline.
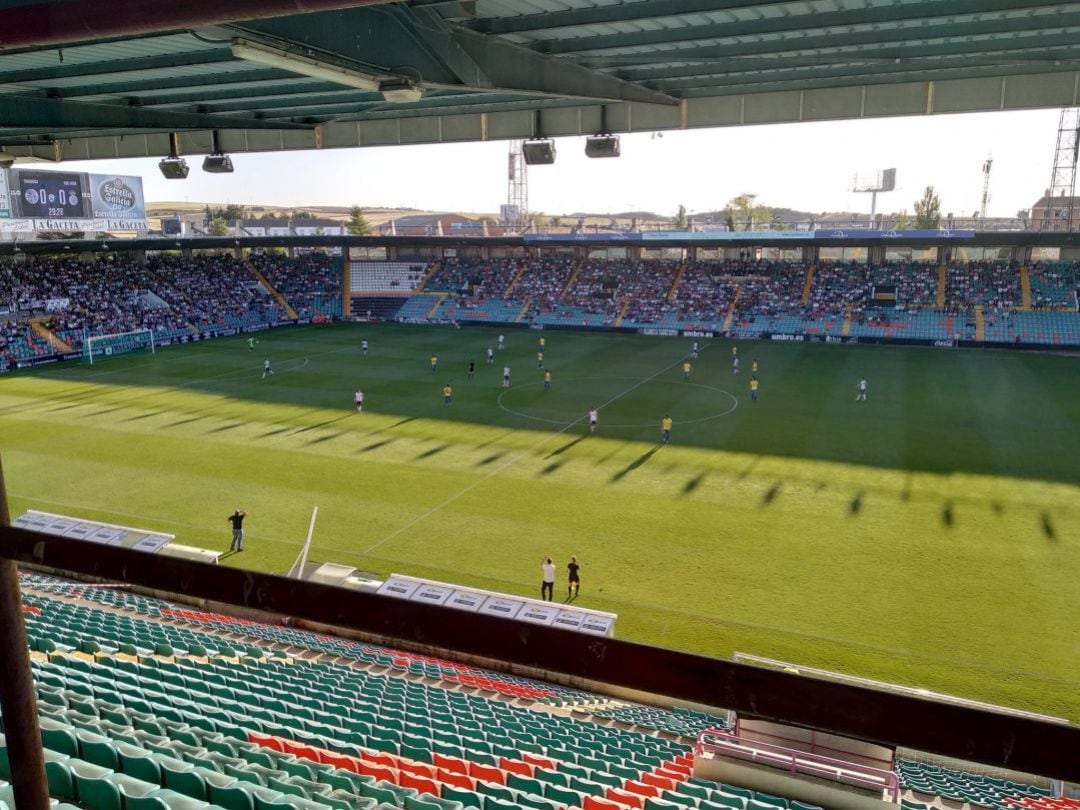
(40, 200)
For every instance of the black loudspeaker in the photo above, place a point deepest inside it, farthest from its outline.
(538, 152)
(174, 168)
(601, 146)
(217, 164)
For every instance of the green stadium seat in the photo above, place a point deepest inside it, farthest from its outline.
(97, 793)
(468, 798)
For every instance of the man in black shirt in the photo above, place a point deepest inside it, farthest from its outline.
(237, 521)
(575, 581)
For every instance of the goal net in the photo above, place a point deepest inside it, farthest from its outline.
(101, 346)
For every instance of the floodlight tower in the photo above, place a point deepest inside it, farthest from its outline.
(884, 180)
(1057, 215)
(987, 165)
(516, 212)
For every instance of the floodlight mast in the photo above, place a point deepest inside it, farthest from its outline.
(884, 180)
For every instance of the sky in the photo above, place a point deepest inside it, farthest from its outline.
(805, 166)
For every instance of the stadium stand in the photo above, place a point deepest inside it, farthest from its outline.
(148, 704)
(53, 305)
(377, 276)
(311, 284)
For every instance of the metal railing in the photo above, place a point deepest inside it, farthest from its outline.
(721, 743)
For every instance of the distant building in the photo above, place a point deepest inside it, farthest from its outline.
(289, 227)
(440, 225)
(1052, 214)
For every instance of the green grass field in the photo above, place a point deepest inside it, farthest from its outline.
(928, 536)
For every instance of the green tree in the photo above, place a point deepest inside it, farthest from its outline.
(682, 222)
(928, 211)
(302, 215)
(745, 209)
(901, 220)
(218, 227)
(358, 226)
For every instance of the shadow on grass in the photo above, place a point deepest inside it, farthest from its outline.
(223, 428)
(552, 467)
(1048, 527)
(323, 424)
(322, 439)
(489, 460)
(277, 432)
(633, 465)
(401, 422)
(749, 468)
(142, 416)
(558, 451)
(433, 451)
(693, 483)
(947, 516)
(856, 503)
(376, 446)
(771, 493)
(102, 413)
(185, 422)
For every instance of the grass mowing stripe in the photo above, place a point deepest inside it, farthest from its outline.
(514, 458)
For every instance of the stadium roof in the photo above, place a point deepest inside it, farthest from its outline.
(108, 78)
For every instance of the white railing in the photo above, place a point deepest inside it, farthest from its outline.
(716, 742)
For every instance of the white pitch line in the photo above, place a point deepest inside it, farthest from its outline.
(513, 460)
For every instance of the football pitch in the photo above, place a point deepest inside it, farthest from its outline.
(928, 536)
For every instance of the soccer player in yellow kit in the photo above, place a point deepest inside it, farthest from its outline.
(753, 388)
(547, 380)
(447, 394)
(434, 360)
(686, 367)
(665, 428)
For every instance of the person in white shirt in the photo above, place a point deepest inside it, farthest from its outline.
(358, 399)
(861, 390)
(363, 346)
(490, 355)
(506, 376)
(547, 579)
(594, 419)
(501, 339)
(694, 351)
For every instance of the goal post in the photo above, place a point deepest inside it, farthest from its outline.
(97, 347)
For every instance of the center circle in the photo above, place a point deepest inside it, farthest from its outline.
(571, 398)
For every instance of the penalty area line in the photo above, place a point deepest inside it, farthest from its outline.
(513, 460)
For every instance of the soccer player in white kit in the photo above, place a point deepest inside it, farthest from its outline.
(358, 399)
(506, 376)
(594, 420)
(363, 346)
(501, 340)
(490, 355)
(861, 390)
(694, 351)
(266, 368)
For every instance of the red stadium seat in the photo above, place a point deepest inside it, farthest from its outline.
(516, 766)
(658, 781)
(450, 763)
(595, 803)
(486, 773)
(641, 788)
(625, 797)
(456, 779)
(420, 769)
(377, 771)
(539, 761)
(421, 784)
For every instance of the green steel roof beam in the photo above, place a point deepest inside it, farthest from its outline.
(48, 114)
(924, 13)
(116, 66)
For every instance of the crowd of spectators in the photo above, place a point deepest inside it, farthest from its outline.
(1053, 285)
(705, 293)
(992, 285)
(915, 282)
(175, 295)
(310, 283)
(474, 278)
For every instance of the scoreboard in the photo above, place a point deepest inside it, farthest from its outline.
(42, 200)
(49, 195)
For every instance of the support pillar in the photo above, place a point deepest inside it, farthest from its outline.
(18, 701)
